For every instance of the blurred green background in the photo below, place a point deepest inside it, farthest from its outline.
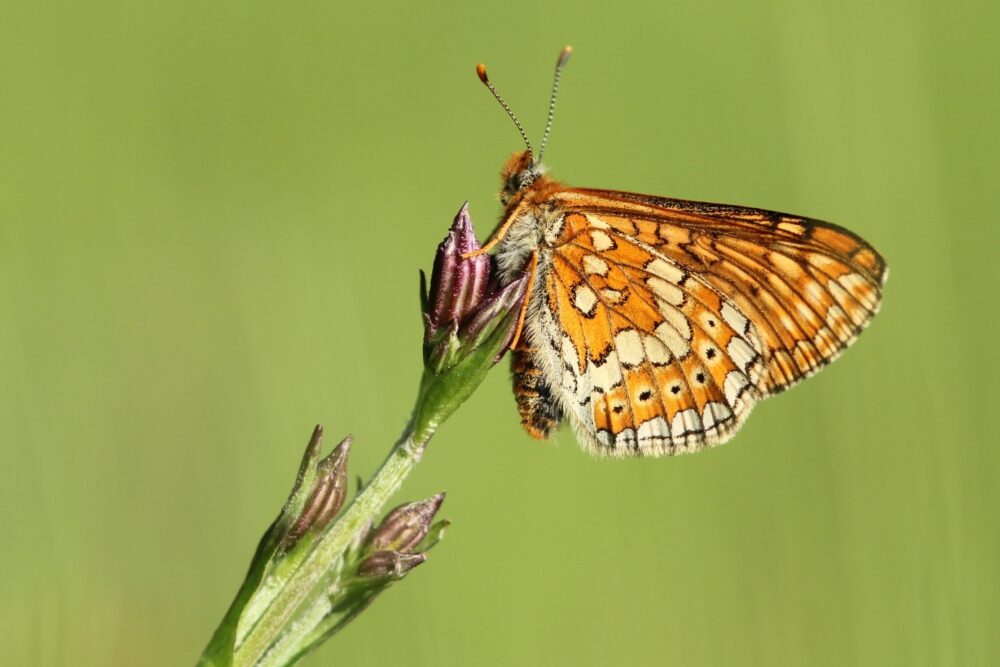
(211, 220)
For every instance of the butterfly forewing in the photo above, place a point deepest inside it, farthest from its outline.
(808, 287)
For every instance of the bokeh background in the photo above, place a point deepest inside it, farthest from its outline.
(211, 220)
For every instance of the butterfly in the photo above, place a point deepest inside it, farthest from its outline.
(654, 325)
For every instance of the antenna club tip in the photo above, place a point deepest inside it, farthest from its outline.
(481, 73)
(564, 55)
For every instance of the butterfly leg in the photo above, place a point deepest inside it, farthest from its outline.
(500, 232)
(540, 414)
(532, 269)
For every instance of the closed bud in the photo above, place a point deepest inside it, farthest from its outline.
(406, 526)
(464, 309)
(457, 282)
(329, 491)
(499, 310)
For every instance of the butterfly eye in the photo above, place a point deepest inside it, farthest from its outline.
(516, 182)
(525, 178)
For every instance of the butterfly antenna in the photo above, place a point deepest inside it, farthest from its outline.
(481, 71)
(563, 57)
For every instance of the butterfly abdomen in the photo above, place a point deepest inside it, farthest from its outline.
(540, 413)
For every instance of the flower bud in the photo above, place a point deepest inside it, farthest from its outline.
(457, 283)
(328, 491)
(405, 527)
(499, 309)
(459, 315)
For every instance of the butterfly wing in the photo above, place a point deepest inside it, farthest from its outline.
(646, 357)
(808, 287)
(663, 321)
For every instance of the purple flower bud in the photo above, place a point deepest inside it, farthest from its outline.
(389, 564)
(329, 490)
(466, 309)
(406, 526)
(490, 312)
(457, 283)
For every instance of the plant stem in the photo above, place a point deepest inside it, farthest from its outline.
(305, 581)
(298, 583)
(268, 624)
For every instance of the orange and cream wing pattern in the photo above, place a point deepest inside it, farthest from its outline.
(808, 287)
(646, 356)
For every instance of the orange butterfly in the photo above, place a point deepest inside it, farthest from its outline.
(653, 325)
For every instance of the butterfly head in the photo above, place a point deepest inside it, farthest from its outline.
(519, 173)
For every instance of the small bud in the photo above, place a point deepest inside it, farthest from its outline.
(389, 564)
(490, 315)
(457, 283)
(309, 459)
(329, 491)
(406, 526)
(464, 309)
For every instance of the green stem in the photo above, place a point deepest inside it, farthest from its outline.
(284, 599)
(300, 581)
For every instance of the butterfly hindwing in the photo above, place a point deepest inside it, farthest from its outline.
(648, 358)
